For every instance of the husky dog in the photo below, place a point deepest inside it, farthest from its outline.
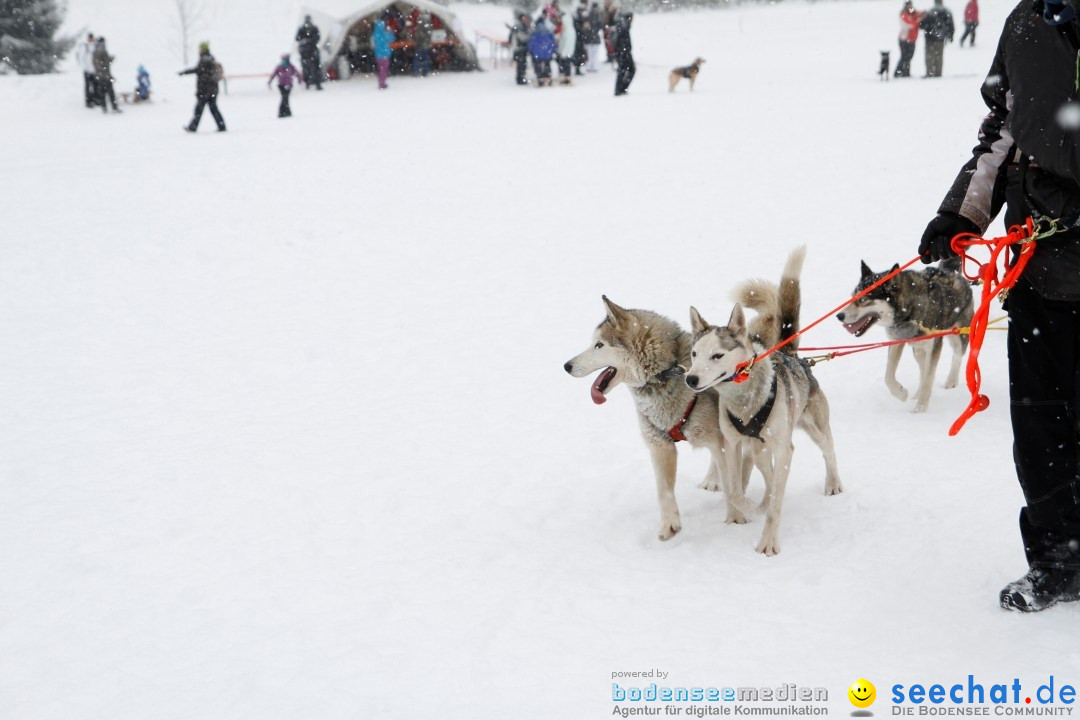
(910, 305)
(647, 352)
(760, 414)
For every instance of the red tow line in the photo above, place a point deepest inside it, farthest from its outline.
(992, 286)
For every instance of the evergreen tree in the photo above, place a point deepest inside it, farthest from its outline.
(28, 40)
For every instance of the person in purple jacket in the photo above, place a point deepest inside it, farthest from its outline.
(285, 72)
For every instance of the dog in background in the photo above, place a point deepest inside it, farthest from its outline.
(883, 69)
(910, 305)
(690, 72)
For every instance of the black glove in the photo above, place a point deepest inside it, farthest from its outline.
(936, 243)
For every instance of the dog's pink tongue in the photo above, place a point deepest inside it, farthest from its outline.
(856, 327)
(600, 385)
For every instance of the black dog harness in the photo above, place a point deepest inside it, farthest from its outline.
(754, 426)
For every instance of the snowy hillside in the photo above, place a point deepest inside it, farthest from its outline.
(286, 432)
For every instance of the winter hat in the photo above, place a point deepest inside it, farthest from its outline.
(204, 47)
(285, 57)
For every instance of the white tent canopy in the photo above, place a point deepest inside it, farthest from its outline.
(334, 29)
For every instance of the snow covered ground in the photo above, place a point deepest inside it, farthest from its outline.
(286, 432)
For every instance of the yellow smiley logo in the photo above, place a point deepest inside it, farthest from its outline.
(862, 693)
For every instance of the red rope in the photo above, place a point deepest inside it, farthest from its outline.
(992, 286)
(742, 370)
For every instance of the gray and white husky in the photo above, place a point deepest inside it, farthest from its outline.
(648, 352)
(910, 305)
(760, 414)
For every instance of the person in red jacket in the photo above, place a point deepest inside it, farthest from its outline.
(971, 21)
(909, 33)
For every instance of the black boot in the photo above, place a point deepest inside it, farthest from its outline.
(1041, 588)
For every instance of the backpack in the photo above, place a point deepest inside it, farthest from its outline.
(219, 73)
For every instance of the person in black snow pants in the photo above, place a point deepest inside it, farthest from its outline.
(307, 38)
(208, 75)
(623, 54)
(1028, 160)
(519, 46)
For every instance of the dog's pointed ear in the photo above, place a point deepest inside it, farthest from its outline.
(737, 322)
(866, 271)
(697, 323)
(895, 267)
(616, 314)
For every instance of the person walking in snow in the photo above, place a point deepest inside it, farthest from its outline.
(84, 56)
(1028, 161)
(909, 33)
(208, 74)
(564, 50)
(519, 47)
(284, 74)
(623, 54)
(103, 77)
(542, 48)
(307, 40)
(971, 21)
(938, 28)
(381, 39)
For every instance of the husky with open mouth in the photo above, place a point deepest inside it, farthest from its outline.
(648, 352)
(911, 305)
(759, 415)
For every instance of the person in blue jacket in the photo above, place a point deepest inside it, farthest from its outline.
(542, 48)
(381, 39)
(142, 85)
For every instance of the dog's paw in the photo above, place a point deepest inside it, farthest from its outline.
(711, 484)
(950, 384)
(833, 488)
(899, 392)
(920, 407)
(768, 546)
(669, 529)
(735, 517)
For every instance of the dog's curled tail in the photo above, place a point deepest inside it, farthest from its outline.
(791, 298)
(763, 297)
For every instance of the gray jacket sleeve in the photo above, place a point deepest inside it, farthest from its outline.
(979, 190)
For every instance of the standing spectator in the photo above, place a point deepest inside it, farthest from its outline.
(1026, 161)
(971, 21)
(611, 21)
(623, 55)
(207, 76)
(565, 50)
(422, 46)
(284, 72)
(103, 76)
(142, 85)
(938, 27)
(307, 38)
(381, 39)
(580, 18)
(542, 49)
(519, 47)
(84, 55)
(909, 33)
(594, 29)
